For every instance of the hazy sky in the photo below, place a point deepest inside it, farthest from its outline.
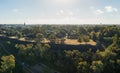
(60, 11)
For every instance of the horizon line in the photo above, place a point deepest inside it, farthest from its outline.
(59, 24)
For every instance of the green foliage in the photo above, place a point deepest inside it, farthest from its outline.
(94, 36)
(118, 61)
(19, 34)
(7, 64)
(52, 38)
(40, 37)
(8, 42)
(29, 51)
(107, 54)
(116, 41)
(68, 61)
(83, 67)
(97, 66)
(46, 70)
(46, 46)
(83, 38)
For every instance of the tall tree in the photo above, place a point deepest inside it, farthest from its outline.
(7, 64)
(97, 66)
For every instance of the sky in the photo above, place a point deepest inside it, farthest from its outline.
(60, 11)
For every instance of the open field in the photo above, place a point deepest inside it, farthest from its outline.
(75, 42)
(67, 41)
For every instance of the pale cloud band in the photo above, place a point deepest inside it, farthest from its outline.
(66, 21)
(106, 9)
(110, 9)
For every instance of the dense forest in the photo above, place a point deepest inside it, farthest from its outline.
(59, 48)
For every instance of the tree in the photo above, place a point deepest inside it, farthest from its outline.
(93, 36)
(86, 39)
(63, 40)
(116, 43)
(52, 38)
(83, 67)
(116, 40)
(40, 37)
(72, 58)
(46, 47)
(24, 51)
(97, 66)
(83, 38)
(80, 38)
(118, 61)
(100, 37)
(7, 64)
(21, 50)
(42, 51)
(107, 54)
(19, 34)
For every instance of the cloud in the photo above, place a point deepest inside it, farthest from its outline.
(65, 13)
(18, 11)
(110, 9)
(65, 2)
(15, 10)
(71, 13)
(57, 13)
(92, 7)
(60, 3)
(61, 11)
(98, 12)
(106, 9)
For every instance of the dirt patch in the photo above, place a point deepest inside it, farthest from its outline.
(45, 40)
(22, 39)
(72, 41)
(75, 42)
(13, 37)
